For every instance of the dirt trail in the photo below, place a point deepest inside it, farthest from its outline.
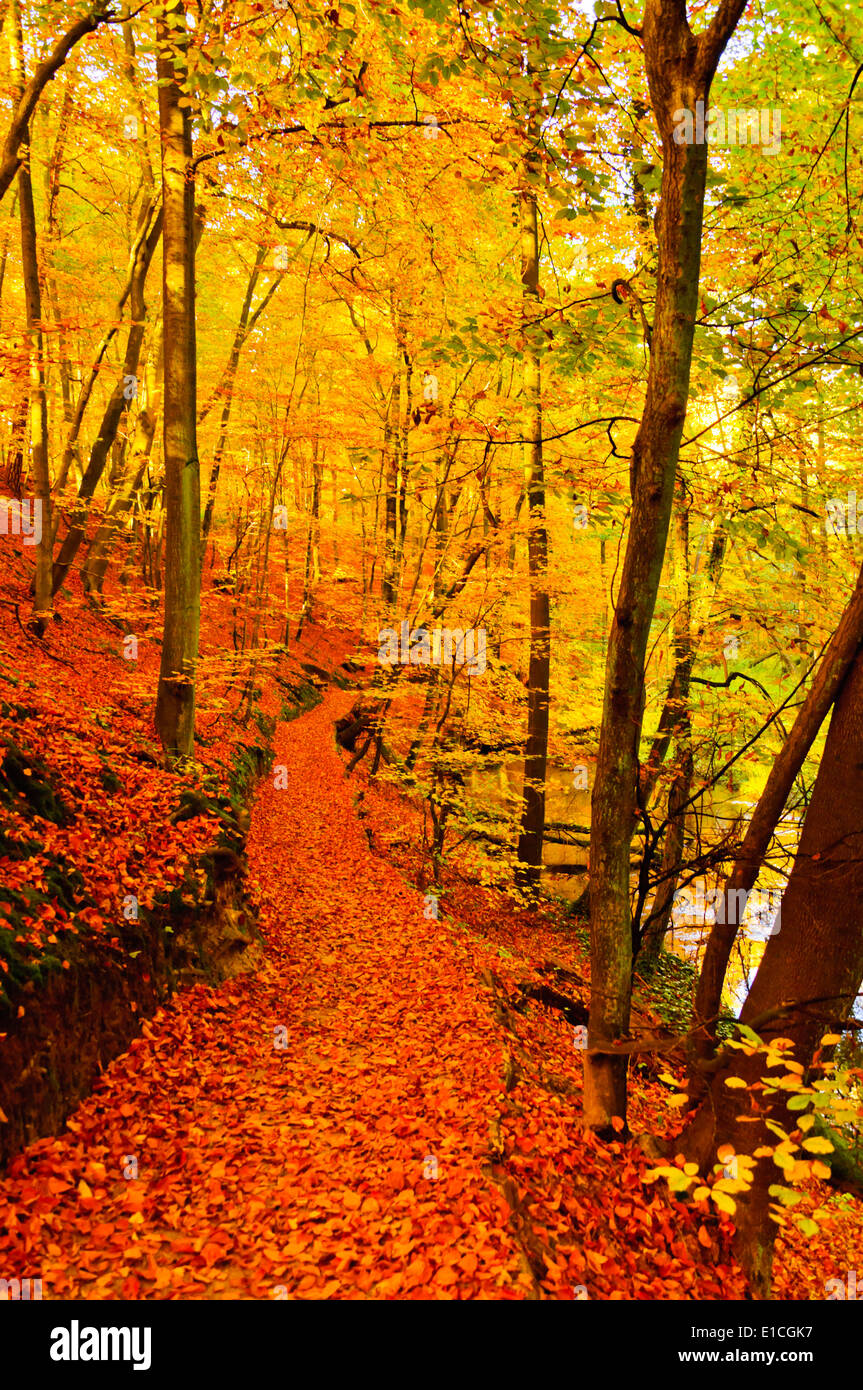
(316, 1130)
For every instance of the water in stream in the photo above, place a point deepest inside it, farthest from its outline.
(497, 791)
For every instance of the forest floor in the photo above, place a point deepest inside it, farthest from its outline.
(380, 1111)
(338, 1124)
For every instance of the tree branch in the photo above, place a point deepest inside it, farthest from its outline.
(32, 92)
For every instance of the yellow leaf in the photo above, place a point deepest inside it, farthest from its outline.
(724, 1202)
(830, 1039)
(818, 1145)
(736, 1082)
(83, 1190)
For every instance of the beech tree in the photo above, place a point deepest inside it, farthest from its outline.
(805, 986)
(175, 701)
(18, 141)
(28, 94)
(680, 67)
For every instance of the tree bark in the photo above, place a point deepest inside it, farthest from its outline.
(38, 401)
(117, 403)
(390, 472)
(680, 68)
(175, 701)
(842, 650)
(226, 386)
(70, 451)
(536, 745)
(99, 554)
(809, 975)
(27, 98)
(42, 593)
(653, 934)
(52, 237)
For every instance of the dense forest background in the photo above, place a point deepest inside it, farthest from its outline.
(498, 367)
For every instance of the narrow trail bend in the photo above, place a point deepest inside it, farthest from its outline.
(318, 1129)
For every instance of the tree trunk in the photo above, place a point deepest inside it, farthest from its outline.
(682, 676)
(841, 652)
(390, 471)
(27, 97)
(312, 567)
(4, 253)
(99, 554)
(403, 447)
(536, 745)
(680, 68)
(52, 237)
(70, 451)
(117, 403)
(17, 443)
(808, 978)
(226, 387)
(175, 701)
(653, 934)
(38, 404)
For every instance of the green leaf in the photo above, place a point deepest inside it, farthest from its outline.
(798, 1102)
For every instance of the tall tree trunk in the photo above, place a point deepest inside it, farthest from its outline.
(312, 568)
(38, 408)
(390, 471)
(4, 252)
(680, 67)
(175, 701)
(536, 744)
(226, 386)
(70, 451)
(403, 447)
(833, 668)
(682, 675)
(17, 444)
(807, 981)
(27, 96)
(99, 554)
(679, 792)
(52, 237)
(42, 605)
(120, 399)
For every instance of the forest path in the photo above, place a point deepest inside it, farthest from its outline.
(287, 1126)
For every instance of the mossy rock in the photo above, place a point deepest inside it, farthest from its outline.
(26, 783)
